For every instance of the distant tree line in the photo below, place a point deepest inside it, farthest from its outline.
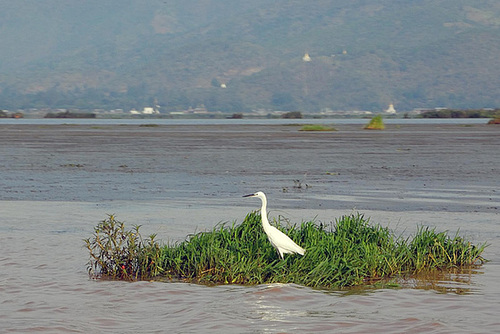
(68, 114)
(458, 113)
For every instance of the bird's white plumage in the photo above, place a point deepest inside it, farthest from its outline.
(278, 239)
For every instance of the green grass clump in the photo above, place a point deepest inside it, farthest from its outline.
(430, 250)
(316, 127)
(347, 252)
(376, 123)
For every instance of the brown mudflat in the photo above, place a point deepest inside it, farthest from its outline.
(417, 167)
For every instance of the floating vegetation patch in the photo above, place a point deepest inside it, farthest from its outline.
(347, 252)
(376, 123)
(316, 127)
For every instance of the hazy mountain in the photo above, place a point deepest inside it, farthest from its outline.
(363, 54)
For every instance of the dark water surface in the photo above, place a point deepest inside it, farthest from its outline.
(58, 181)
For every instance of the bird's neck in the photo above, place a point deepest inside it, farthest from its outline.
(263, 214)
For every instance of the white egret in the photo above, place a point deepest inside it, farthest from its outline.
(278, 239)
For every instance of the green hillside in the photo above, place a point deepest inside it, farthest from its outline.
(363, 56)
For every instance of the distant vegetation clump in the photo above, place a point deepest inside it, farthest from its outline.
(316, 127)
(292, 115)
(68, 114)
(459, 113)
(349, 252)
(236, 116)
(376, 123)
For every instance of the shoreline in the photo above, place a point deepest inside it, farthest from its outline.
(229, 121)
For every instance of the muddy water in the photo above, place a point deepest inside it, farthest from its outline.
(57, 182)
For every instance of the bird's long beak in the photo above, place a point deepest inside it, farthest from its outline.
(249, 195)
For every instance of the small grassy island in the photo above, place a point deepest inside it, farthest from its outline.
(376, 123)
(316, 127)
(348, 252)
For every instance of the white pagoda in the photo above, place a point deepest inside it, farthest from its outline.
(391, 109)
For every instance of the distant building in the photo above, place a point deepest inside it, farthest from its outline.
(391, 109)
(200, 110)
(149, 111)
